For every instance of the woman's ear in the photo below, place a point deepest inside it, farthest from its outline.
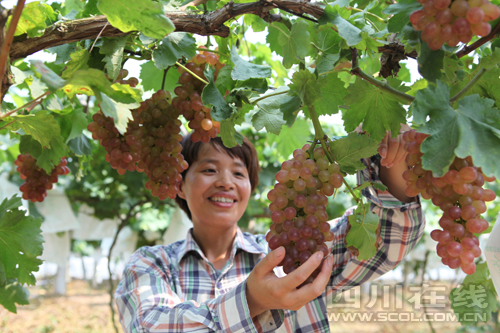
(181, 193)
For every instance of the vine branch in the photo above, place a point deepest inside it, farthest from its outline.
(6, 114)
(4, 53)
(379, 84)
(468, 86)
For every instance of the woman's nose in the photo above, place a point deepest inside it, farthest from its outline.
(225, 180)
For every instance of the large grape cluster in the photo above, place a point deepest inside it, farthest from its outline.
(298, 206)
(37, 181)
(151, 144)
(460, 195)
(451, 22)
(188, 98)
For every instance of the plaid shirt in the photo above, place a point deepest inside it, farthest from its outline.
(175, 288)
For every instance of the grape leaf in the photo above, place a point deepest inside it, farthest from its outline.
(78, 61)
(401, 11)
(487, 86)
(451, 65)
(34, 18)
(476, 297)
(363, 232)
(63, 52)
(118, 111)
(291, 137)
(336, 16)
(11, 293)
(145, 16)
(172, 48)
(332, 94)
(305, 85)
(378, 111)
(327, 39)
(152, 78)
(366, 184)
(79, 122)
(49, 158)
(295, 42)
(349, 150)
(255, 22)
(230, 137)
(471, 129)
(430, 63)
(212, 96)
(284, 104)
(113, 48)
(224, 80)
(244, 70)
(29, 145)
(51, 79)
(274, 31)
(41, 125)
(80, 145)
(270, 117)
(20, 241)
(491, 60)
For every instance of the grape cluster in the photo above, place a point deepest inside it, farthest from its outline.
(298, 206)
(188, 98)
(151, 144)
(459, 194)
(37, 181)
(122, 74)
(451, 22)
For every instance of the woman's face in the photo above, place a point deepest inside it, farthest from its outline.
(216, 187)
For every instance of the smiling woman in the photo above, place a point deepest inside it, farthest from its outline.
(221, 279)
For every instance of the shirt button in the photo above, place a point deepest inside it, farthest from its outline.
(219, 285)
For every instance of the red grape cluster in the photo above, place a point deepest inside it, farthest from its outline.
(451, 22)
(298, 206)
(37, 181)
(122, 74)
(459, 194)
(188, 98)
(151, 144)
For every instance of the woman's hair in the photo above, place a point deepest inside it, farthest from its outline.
(246, 153)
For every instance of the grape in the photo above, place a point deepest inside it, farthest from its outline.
(298, 204)
(461, 197)
(475, 15)
(37, 180)
(459, 8)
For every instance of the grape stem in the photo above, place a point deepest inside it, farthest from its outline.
(474, 80)
(190, 72)
(267, 96)
(164, 77)
(384, 86)
(320, 135)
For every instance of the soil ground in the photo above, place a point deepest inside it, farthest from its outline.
(86, 310)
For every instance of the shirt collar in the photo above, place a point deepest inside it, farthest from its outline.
(243, 241)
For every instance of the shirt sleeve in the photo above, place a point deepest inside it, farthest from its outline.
(147, 303)
(401, 227)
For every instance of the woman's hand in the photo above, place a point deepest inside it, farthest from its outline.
(265, 291)
(393, 150)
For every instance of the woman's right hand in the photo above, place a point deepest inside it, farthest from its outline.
(265, 291)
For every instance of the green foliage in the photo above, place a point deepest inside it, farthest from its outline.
(145, 16)
(34, 19)
(20, 245)
(172, 48)
(362, 234)
(349, 150)
(476, 296)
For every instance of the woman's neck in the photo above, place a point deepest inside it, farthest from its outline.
(216, 244)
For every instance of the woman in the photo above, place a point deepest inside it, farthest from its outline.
(220, 279)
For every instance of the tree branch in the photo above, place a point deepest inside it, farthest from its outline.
(469, 48)
(209, 24)
(4, 52)
(379, 84)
